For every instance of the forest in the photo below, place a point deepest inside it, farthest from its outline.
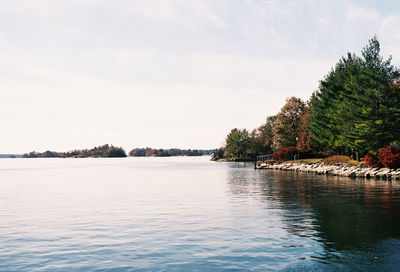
(355, 111)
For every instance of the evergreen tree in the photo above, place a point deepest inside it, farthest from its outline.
(357, 104)
(237, 142)
(377, 101)
(332, 104)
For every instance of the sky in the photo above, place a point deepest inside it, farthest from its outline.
(168, 73)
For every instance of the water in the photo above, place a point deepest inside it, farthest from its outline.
(189, 214)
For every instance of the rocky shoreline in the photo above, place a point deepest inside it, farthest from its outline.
(344, 170)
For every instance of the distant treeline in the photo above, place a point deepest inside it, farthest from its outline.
(10, 156)
(103, 151)
(151, 152)
(107, 151)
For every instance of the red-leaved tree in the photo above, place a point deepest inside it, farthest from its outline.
(371, 160)
(390, 157)
(285, 154)
(304, 143)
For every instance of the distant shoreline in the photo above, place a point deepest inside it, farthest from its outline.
(21, 157)
(110, 151)
(10, 156)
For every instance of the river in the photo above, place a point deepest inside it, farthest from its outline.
(190, 214)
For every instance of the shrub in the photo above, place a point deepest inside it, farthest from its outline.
(371, 160)
(287, 153)
(336, 159)
(389, 157)
(284, 154)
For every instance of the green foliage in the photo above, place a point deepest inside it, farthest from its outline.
(151, 152)
(218, 154)
(356, 110)
(114, 152)
(238, 143)
(268, 131)
(261, 139)
(100, 151)
(357, 104)
(46, 154)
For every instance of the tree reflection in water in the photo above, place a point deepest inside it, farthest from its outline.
(350, 218)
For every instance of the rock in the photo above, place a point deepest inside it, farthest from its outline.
(360, 173)
(383, 173)
(345, 170)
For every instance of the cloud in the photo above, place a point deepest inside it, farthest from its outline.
(167, 73)
(355, 13)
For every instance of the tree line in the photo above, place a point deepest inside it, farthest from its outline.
(103, 151)
(152, 152)
(107, 151)
(354, 111)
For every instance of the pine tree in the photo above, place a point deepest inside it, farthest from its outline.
(237, 142)
(357, 104)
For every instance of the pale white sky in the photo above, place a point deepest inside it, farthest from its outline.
(168, 73)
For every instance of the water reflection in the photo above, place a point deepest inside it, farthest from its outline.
(188, 214)
(355, 220)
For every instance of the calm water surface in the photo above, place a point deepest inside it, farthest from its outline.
(189, 214)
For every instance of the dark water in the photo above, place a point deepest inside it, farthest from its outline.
(188, 214)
